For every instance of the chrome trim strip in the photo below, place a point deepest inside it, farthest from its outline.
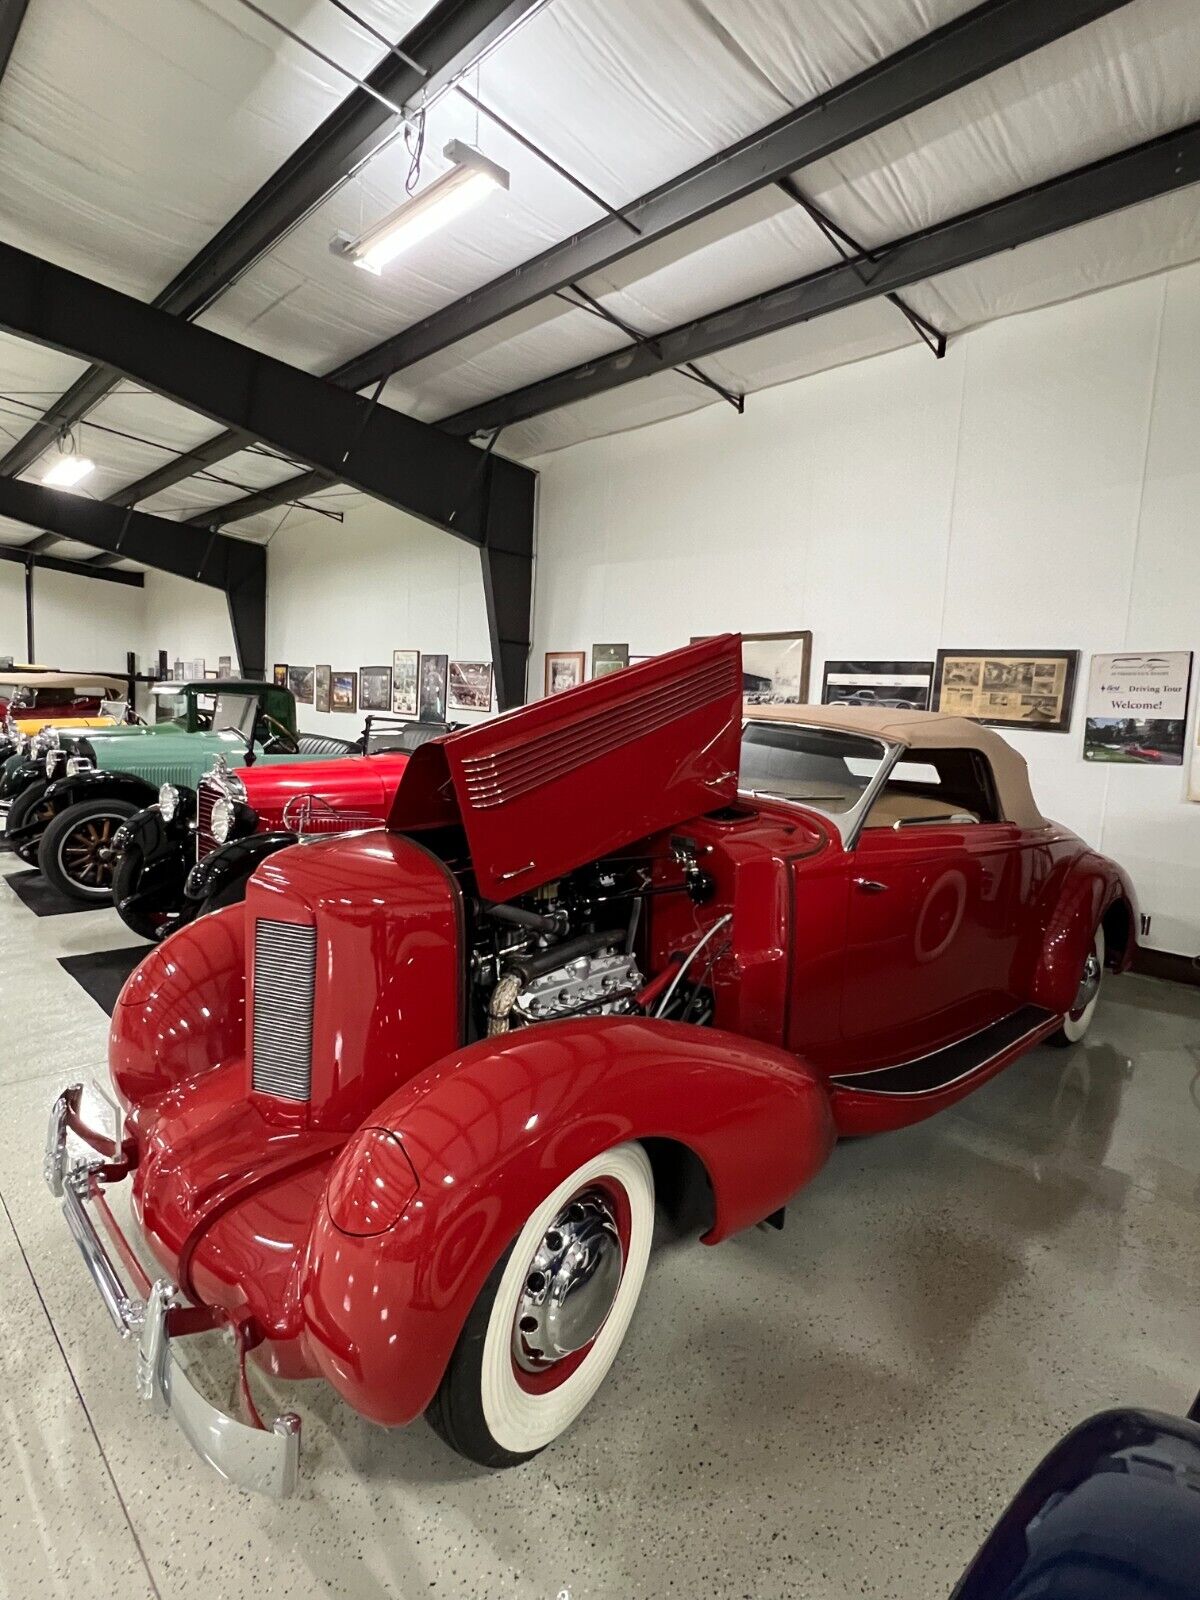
(850, 1080)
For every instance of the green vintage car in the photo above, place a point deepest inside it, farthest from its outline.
(71, 791)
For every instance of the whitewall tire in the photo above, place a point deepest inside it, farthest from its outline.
(548, 1323)
(1079, 1019)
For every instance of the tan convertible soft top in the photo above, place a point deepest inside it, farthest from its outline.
(925, 730)
(115, 688)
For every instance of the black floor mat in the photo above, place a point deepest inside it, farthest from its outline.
(103, 972)
(43, 899)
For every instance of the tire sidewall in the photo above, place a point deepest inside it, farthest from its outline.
(480, 1409)
(59, 829)
(1074, 1029)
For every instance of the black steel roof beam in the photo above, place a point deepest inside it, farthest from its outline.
(968, 48)
(79, 569)
(411, 465)
(1155, 168)
(234, 566)
(12, 14)
(440, 48)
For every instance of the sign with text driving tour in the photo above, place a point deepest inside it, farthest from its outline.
(1137, 708)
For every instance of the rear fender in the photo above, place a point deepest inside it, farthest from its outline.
(491, 1129)
(182, 1011)
(1088, 893)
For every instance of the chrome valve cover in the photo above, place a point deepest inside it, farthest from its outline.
(600, 983)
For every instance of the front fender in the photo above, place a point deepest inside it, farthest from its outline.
(490, 1130)
(1077, 902)
(93, 784)
(232, 863)
(17, 775)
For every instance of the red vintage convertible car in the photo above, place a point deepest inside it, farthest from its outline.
(403, 1119)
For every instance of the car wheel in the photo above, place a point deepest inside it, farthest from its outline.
(127, 873)
(547, 1325)
(30, 806)
(1077, 1021)
(76, 853)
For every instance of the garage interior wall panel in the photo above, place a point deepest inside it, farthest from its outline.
(188, 620)
(350, 594)
(77, 622)
(1039, 487)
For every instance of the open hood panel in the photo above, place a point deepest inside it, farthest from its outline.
(556, 784)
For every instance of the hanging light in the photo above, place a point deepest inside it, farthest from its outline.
(470, 180)
(67, 471)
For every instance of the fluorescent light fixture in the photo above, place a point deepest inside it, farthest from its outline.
(67, 471)
(471, 179)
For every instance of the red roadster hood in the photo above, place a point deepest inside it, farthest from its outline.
(556, 784)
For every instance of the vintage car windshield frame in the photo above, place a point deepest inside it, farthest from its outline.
(848, 823)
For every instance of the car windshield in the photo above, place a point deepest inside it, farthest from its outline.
(116, 709)
(235, 713)
(818, 767)
(170, 706)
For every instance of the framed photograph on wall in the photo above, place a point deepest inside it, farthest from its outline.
(470, 685)
(775, 668)
(608, 658)
(1008, 688)
(321, 677)
(564, 670)
(896, 685)
(280, 674)
(224, 666)
(406, 667)
(300, 682)
(375, 689)
(343, 691)
(431, 705)
(1137, 708)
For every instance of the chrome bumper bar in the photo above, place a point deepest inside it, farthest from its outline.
(259, 1459)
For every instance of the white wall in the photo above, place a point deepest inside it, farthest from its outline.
(188, 620)
(350, 595)
(1038, 487)
(77, 622)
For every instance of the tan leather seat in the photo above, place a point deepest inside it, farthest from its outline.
(893, 806)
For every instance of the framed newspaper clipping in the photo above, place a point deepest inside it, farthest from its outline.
(1008, 688)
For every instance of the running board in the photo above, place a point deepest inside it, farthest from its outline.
(940, 1069)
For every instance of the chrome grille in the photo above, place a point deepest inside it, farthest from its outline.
(207, 796)
(285, 959)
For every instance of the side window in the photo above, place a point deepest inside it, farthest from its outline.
(935, 786)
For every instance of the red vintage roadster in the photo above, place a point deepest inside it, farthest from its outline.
(403, 1119)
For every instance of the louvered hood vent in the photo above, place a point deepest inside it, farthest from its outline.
(285, 959)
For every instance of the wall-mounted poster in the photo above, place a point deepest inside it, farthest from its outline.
(470, 685)
(775, 668)
(300, 682)
(343, 691)
(564, 670)
(224, 666)
(608, 658)
(406, 666)
(1137, 708)
(321, 677)
(280, 672)
(177, 671)
(375, 689)
(1008, 688)
(897, 685)
(431, 702)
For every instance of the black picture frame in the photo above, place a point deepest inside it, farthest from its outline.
(893, 685)
(1038, 709)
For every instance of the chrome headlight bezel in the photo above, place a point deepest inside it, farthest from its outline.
(77, 764)
(45, 739)
(221, 820)
(168, 801)
(51, 762)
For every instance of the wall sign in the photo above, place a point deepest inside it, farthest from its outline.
(1137, 708)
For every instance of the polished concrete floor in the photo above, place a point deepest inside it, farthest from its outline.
(838, 1410)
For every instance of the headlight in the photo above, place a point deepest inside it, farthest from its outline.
(222, 820)
(168, 801)
(77, 764)
(51, 762)
(235, 788)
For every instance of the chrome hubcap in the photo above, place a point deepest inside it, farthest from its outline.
(1089, 985)
(570, 1284)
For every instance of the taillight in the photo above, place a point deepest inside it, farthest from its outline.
(371, 1183)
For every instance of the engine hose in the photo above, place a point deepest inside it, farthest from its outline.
(520, 918)
(540, 962)
(504, 997)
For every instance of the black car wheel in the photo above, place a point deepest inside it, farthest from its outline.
(77, 854)
(30, 807)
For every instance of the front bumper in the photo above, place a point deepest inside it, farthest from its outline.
(250, 1455)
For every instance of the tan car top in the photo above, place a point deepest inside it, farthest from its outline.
(113, 688)
(925, 730)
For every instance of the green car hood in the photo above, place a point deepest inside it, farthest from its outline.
(169, 756)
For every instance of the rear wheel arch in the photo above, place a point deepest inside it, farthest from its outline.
(1117, 923)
